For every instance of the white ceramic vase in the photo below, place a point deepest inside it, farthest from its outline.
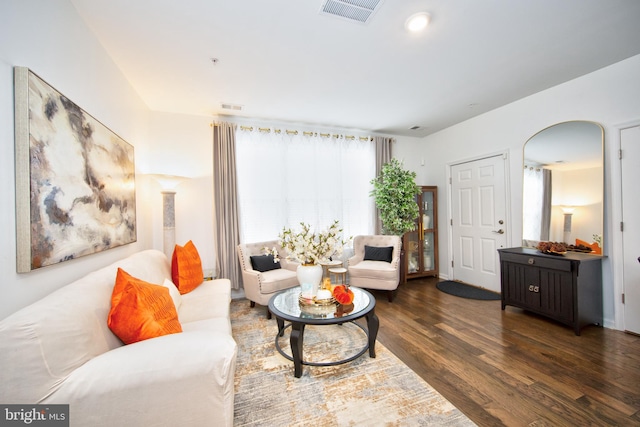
(309, 277)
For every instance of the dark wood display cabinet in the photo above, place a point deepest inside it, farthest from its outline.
(421, 245)
(566, 288)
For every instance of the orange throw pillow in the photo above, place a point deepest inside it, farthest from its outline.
(141, 310)
(186, 268)
(122, 280)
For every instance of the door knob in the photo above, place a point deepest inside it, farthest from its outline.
(501, 231)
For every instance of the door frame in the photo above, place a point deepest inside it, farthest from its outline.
(507, 198)
(614, 248)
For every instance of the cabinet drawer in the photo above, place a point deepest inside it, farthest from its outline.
(538, 261)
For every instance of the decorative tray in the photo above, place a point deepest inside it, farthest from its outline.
(584, 251)
(316, 302)
(554, 253)
(314, 307)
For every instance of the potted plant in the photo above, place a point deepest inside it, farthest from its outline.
(394, 192)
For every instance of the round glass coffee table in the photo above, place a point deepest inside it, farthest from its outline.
(286, 306)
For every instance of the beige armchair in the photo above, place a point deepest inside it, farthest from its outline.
(381, 269)
(260, 286)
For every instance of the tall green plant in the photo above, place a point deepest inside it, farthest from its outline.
(394, 192)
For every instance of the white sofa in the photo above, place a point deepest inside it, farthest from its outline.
(60, 350)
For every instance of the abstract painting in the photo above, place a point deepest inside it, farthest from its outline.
(75, 179)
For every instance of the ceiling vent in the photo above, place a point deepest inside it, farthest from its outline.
(352, 10)
(235, 107)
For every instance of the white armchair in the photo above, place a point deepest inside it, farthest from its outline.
(377, 267)
(259, 286)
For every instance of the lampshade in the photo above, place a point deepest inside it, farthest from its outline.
(168, 182)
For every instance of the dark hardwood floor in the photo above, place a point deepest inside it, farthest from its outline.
(511, 367)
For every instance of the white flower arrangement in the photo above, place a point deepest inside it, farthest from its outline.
(307, 247)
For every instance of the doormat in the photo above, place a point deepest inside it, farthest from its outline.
(463, 290)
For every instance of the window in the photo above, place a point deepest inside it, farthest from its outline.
(537, 205)
(285, 179)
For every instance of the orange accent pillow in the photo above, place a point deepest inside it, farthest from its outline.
(122, 279)
(141, 310)
(186, 268)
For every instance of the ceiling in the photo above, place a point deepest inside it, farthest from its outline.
(283, 61)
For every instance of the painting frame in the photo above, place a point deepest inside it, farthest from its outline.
(75, 179)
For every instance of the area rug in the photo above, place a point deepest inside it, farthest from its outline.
(463, 290)
(379, 391)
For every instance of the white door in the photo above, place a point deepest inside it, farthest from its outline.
(478, 226)
(630, 145)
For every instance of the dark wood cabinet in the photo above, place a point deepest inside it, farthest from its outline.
(421, 246)
(565, 288)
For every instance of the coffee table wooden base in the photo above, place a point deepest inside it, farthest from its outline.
(285, 306)
(296, 340)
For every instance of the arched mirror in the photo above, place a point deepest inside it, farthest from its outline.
(563, 186)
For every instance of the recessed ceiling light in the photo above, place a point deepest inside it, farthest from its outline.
(417, 22)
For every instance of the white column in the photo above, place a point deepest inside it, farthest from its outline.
(567, 228)
(168, 222)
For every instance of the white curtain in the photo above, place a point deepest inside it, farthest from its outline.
(285, 179)
(536, 205)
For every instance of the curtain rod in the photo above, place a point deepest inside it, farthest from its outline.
(305, 133)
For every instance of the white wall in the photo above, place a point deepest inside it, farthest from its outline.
(610, 96)
(576, 188)
(49, 37)
(183, 145)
